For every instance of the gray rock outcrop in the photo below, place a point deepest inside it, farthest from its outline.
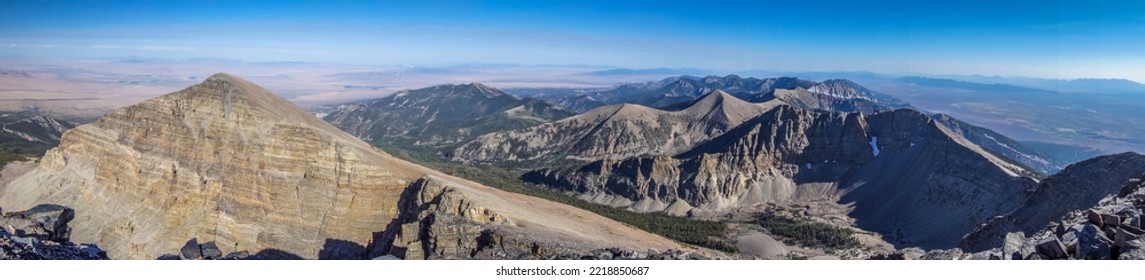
(1095, 233)
(1080, 186)
(943, 185)
(40, 233)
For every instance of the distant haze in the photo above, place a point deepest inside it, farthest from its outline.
(1047, 39)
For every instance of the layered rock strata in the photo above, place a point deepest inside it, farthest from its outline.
(226, 161)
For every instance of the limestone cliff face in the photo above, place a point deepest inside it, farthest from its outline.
(224, 160)
(230, 162)
(614, 132)
(898, 169)
(1080, 186)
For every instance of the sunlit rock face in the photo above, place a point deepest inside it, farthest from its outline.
(229, 162)
(224, 160)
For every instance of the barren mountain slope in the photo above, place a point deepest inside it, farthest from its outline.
(904, 174)
(614, 132)
(228, 161)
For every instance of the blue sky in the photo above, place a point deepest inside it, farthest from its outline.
(1062, 39)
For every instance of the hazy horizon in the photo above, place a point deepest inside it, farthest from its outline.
(1058, 40)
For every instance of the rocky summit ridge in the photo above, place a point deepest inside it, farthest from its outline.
(1107, 228)
(1081, 185)
(229, 162)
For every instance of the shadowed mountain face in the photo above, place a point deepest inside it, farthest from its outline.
(440, 116)
(228, 162)
(1080, 186)
(847, 97)
(1037, 162)
(906, 175)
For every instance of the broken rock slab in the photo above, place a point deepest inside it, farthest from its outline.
(1052, 249)
(1092, 244)
(210, 251)
(190, 250)
(1133, 250)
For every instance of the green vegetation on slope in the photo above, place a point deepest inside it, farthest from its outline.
(806, 233)
(707, 234)
(7, 156)
(14, 146)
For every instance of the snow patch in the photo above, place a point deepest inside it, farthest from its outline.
(875, 145)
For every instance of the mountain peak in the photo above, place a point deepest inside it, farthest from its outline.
(840, 81)
(230, 86)
(475, 88)
(223, 76)
(715, 99)
(226, 99)
(234, 84)
(231, 94)
(716, 95)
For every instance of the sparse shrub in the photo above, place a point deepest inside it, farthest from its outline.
(807, 233)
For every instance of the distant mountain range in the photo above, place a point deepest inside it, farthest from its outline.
(28, 133)
(440, 116)
(963, 85)
(834, 95)
(824, 168)
(653, 71)
(675, 90)
(1084, 86)
(614, 132)
(1105, 121)
(435, 121)
(804, 140)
